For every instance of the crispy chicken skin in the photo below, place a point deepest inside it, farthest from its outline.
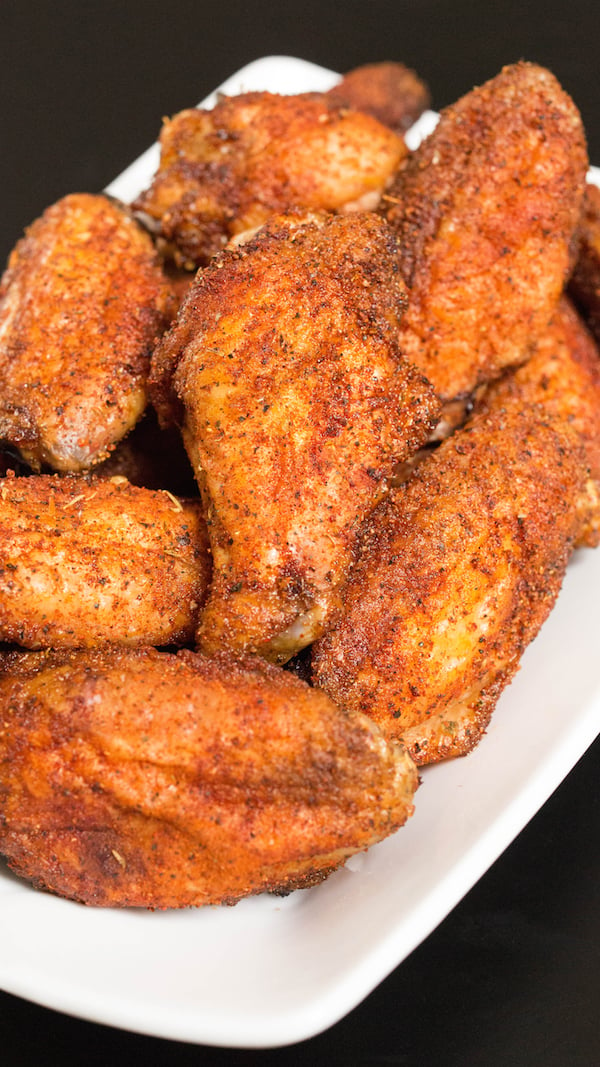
(86, 562)
(296, 406)
(390, 92)
(461, 566)
(584, 284)
(227, 170)
(485, 211)
(145, 779)
(82, 303)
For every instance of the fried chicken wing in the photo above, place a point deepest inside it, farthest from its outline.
(460, 567)
(140, 778)
(485, 211)
(584, 283)
(87, 562)
(296, 407)
(228, 170)
(390, 92)
(82, 303)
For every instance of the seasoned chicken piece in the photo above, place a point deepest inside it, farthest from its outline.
(584, 284)
(296, 406)
(390, 92)
(144, 779)
(228, 170)
(86, 562)
(485, 211)
(82, 303)
(460, 567)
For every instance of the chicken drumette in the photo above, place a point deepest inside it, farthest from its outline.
(295, 406)
(82, 303)
(460, 567)
(485, 211)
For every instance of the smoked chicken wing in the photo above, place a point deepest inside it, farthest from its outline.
(485, 211)
(461, 566)
(225, 171)
(82, 303)
(145, 779)
(295, 407)
(86, 562)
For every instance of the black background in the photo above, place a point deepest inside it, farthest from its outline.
(512, 977)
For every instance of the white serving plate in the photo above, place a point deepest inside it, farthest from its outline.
(273, 971)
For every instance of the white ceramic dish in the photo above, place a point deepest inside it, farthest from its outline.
(273, 971)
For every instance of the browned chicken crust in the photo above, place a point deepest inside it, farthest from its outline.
(460, 567)
(485, 211)
(389, 91)
(584, 284)
(296, 408)
(82, 303)
(255, 155)
(86, 562)
(139, 778)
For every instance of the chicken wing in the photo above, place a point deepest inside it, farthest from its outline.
(460, 567)
(390, 92)
(82, 303)
(87, 562)
(225, 171)
(485, 211)
(140, 778)
(296, 406)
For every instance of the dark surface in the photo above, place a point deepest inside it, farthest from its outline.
(512, 977)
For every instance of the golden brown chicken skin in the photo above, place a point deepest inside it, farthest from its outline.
(87, 562)
(390, 92)
(82, 303)
(140, 778)
(296, 406)
(584, 283)
(225, 171)
(485, 211)
(461, 566)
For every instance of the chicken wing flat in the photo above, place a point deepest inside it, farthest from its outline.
(226, 171)
(390, 92)
(485, 211)
(296, 407)
(82, 303)
(461, 566)
(584, 284)
(140, 778)
(87, 562)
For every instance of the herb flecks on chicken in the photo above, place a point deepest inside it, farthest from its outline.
(485, 211)
(227, 170)
(82, 303)
(88, 562)
(296, 406)
(144, 779)
(460, 567)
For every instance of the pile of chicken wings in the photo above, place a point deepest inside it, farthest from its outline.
(295, 449)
